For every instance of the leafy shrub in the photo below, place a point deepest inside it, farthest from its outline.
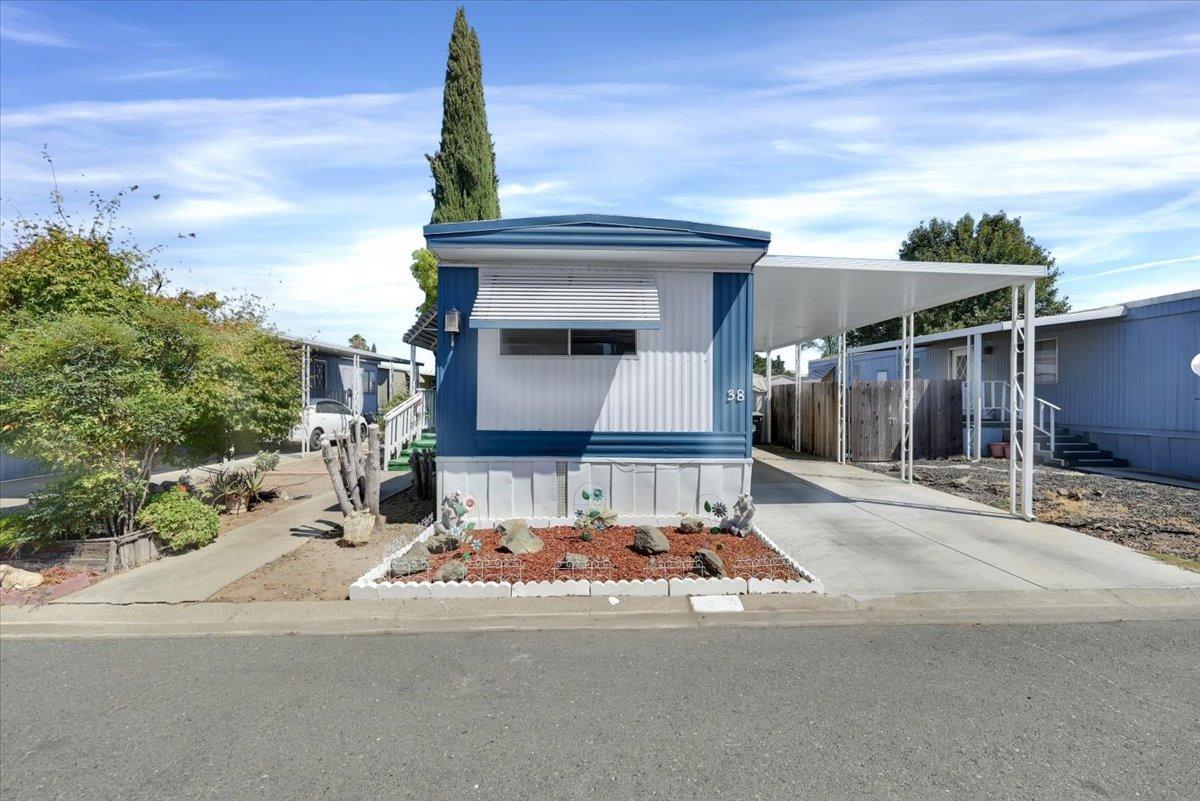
(180, 520)
(266, 461)
(73, 507)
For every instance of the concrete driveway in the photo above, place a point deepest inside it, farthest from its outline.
(866, 535)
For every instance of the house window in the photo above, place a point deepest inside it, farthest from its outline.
(534, 342)
(958, 363)
(1045, 362)
(316, 378)
(603, 343)
(881, 375)
(566, 342)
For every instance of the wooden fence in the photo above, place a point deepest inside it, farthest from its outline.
(874, 412)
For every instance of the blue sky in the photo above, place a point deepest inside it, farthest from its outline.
(291, 137)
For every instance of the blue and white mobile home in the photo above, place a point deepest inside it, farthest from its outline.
(1119, 377)
(594, 352)
(611, 353)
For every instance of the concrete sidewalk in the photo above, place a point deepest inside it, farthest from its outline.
(866, 534)
(196, 575)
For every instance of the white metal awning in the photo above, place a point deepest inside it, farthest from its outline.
(800, 298)
(514, 300)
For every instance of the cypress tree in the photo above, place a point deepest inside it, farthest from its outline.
(465, 186)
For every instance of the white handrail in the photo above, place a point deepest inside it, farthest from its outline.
(402, 425)
(994, 395)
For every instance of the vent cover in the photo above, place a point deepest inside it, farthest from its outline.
(560, 487)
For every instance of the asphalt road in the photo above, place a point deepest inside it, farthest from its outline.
(1050, 711)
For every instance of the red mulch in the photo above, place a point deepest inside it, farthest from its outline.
(617, 545)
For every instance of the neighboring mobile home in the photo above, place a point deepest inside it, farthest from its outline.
(332, 370)
(595, 352)
(1119, 378)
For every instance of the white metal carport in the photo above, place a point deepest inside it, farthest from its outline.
(801, 298)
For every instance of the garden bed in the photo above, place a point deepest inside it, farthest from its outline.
(753, 564)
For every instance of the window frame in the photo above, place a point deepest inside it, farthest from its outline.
(1056, 361)
(637, 344)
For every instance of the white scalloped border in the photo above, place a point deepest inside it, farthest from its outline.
(373, 585)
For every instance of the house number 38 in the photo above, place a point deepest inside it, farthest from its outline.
(735, 395)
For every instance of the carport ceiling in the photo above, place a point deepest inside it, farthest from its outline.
(800, 298)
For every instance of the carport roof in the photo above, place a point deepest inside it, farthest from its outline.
(800, 298)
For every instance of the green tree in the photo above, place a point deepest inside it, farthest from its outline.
(777, 368)
(465, 184)
(103, 374)
(425, 270)
(358, 342)
(995, 239)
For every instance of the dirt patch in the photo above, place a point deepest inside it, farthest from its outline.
(1154, 518)
(321, 569)
(294, 481)
(611, 556)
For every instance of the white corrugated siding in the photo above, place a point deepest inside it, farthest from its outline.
(667, 387)
(507, 299)
(526, 488)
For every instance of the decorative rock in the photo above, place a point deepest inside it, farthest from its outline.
(517, 538)
(14, 578)
(451, 571)
(708, 564)
(648, 540)
(692, 525)
(442, 543)
(409, 563)
(573, 561)
(356, 528)
(739, 523)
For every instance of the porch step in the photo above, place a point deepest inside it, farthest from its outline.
(1074, 450)
(427, 441)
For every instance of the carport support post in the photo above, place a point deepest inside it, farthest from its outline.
(767, 432)
(796, 410)
(305, 391)
(841, 398)
(1027, 399)
(910, 329)
(977, 397)
(1020, 403)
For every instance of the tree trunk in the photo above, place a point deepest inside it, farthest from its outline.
(335, 475)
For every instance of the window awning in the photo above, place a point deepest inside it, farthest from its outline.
(508, 300)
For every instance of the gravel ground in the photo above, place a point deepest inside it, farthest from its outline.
(1154, 518)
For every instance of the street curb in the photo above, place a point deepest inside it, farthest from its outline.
(428, 616)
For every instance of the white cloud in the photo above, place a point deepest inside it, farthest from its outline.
(971, 55)
(25, 27)
(1138, 291)
(513, 189)
(1146, 265)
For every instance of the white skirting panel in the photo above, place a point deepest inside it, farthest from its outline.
(528, 487)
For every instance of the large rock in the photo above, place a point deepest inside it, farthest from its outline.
(453, 570)
(573, 561)
(14, 578)
(708, 564)
(442, 543)
(692, 525)
(517, 538)
(356, 528)
(648, 540)
(410, 563)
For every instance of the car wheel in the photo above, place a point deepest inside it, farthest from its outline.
(362, 433)
(314, 439)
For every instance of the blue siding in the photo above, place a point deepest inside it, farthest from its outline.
(456, 364)
(733, 354)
